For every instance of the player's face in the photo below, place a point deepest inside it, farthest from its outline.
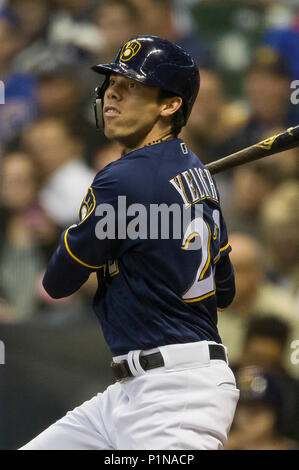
(130, 110)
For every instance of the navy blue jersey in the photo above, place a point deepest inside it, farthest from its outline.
(151, 227)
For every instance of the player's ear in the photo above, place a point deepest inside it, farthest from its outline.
(170, 106)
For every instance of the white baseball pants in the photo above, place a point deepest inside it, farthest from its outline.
(188, 404)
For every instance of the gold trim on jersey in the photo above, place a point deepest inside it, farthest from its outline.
(75, 257)
(209, 256)
(189, 239)
(217, 257)
(224, 247)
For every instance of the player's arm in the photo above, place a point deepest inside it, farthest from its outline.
(64, 274)
(224, 271)
(225, 282)
(81, 251)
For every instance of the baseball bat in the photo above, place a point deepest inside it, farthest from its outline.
(278, 143)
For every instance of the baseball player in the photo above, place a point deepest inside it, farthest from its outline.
(158, 292)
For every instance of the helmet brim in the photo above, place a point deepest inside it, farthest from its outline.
(122, 69)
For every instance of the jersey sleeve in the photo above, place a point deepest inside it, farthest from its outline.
(225, 282)
(224, 272)
(224, 246)
(86, 246)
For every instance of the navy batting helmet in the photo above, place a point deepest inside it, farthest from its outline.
(155, 62)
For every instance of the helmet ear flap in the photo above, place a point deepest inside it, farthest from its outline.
(98, 113)
(98, 103)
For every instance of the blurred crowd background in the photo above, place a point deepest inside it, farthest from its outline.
(248, 55)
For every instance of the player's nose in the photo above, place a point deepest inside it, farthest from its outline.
(114, 92)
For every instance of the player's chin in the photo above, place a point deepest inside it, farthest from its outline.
(113, 132)
(110, 132)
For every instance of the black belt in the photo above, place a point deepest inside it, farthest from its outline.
(121, 370)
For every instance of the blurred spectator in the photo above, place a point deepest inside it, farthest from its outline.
(285, 41)
(265, 343)
(118, 21)
(161, 19)
(288, 163)
(54, 31)
(263, 413)
(280, 222)
(60, 92)
(20, 89)
(33, 16)
(254, 296)
(267, 91)
(7, 312)
(25, 229)
(72, 25)
(212, 121)
(58, 152)
(61, 95)
(250, 187)
(80, 9)
(106, 155)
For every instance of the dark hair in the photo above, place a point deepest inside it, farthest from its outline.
(178, 118)
(268, 327)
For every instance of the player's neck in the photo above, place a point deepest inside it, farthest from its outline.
(150, 139)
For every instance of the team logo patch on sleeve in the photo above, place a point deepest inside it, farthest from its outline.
(129, 50)
(87, 206)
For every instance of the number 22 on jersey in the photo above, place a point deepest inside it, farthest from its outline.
(198, 235)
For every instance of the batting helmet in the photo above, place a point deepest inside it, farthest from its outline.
(157, 63)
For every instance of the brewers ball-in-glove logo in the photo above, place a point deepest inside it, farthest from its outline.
(129, 50)
(87, 206)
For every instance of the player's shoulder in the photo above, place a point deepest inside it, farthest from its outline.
(143, 168)
(134, 168)
(124, 177)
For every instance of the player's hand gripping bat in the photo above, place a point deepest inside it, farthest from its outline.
(278, 143)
